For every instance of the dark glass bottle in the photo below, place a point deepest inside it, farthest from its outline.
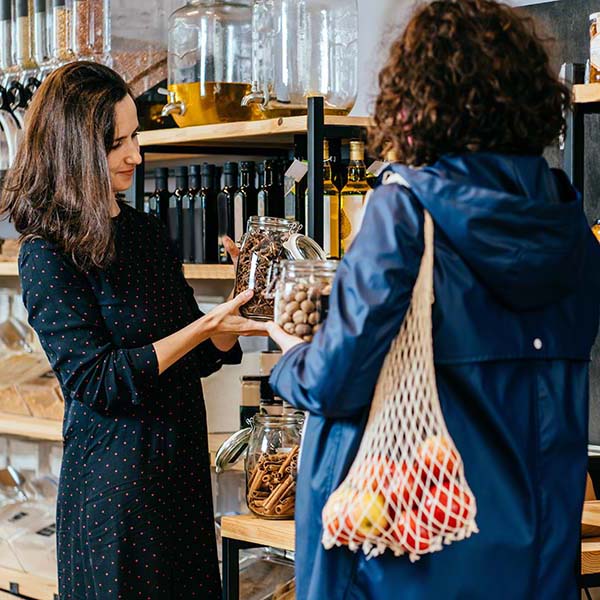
(225, 208)
(276, 205)
(159, 200)
(176, 202)
(193, 218)
(245, 203)
(260, 196)
(207, 196)
(266, 194)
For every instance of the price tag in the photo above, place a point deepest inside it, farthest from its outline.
(297, 171)
(378, 167)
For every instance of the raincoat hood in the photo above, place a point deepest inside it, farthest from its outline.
(518, 224)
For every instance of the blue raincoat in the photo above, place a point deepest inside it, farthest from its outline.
(517, 284)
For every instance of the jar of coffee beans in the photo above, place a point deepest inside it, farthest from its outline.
(261, 250)
(302, 296)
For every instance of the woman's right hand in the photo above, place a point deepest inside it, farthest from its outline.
(225, 319)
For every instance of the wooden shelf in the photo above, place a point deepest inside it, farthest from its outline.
(32, 428)
(206, 272)
(269, 133)
(586, 93)
(248, 528)
(30, 585)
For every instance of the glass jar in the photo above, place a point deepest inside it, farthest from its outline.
(62, 17)
(302, 296)
(303, 48)
(263, 246)
(210, 63)
(594, 76)
(6, 52)
(272, 465)
(24, 42)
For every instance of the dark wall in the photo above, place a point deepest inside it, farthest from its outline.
(567, 23)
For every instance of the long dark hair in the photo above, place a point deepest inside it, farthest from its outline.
(59, 186)
(467, 76)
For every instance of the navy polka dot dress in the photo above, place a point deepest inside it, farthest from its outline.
(134, 515)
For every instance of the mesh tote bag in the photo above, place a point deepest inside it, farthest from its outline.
(406, 489)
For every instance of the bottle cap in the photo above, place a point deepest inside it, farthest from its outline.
(357, 150)
(230, 168)
(208, 170)
(22, 8)
(5, 10)
(181, 172)
(247, 165)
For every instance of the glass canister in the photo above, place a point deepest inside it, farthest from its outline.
(263, 246)
(210, 63)
(302, 296)
(272, 464)
(303, 48)
(62, 18)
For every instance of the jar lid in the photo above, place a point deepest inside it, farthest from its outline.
(301, 247)
(594, 16)
(232, 450)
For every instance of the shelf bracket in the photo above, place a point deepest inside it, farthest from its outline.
(316, 135)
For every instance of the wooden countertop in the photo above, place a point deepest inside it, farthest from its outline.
(30, 585)
(248, 528)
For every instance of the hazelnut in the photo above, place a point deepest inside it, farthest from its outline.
(300, 297)
(307, 338)
(299, 317)
(303, 329)
(308, 307)
(314, 318)
(289, 328)
(284, 318)
(292, 307)
(316, 328)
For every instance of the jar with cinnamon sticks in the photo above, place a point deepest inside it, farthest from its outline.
(272, 464)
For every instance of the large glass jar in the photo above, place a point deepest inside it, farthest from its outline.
(210, 62)
(261, 250)
(303, 48)
(302, 296)
(272, 464)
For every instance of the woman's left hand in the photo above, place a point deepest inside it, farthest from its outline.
(231, 249)
(283, 339)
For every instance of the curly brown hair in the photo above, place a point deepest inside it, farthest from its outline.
(467, 76)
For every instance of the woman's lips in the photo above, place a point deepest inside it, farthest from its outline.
(128, 173)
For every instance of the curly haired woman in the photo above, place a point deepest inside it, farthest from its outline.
(467, 103)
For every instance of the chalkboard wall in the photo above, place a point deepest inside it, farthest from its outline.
(566, 22)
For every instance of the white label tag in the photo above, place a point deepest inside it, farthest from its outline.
(377, 167)
(297, 171)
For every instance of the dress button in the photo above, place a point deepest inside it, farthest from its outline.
(537, 344)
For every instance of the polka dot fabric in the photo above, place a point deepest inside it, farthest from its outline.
(134, 514)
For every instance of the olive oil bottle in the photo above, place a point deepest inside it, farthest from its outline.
(352, 196)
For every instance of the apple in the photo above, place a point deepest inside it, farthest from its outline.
(438, 458)
(414, 535)
(366, 515)
(446, 507)
(410, 488)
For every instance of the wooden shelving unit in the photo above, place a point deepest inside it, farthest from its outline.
(31, 428)
(27, 585)
(192, 272)
(270, 133)
(586, 93)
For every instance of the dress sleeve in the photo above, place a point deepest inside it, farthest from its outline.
(64, 312)
(211, 359)
(335, 375)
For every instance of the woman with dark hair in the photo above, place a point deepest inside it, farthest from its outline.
(467, 103)
(106, 294)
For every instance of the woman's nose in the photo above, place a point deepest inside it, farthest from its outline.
(134, 157)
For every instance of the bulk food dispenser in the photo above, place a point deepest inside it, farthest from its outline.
(210, 63)
(303, 48)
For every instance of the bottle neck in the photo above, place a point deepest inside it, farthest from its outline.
(181, 183)
(245, 179)
(327, 176)
(268, 179)
(207, 182)
(229, 180)
(161, 185)
(357, 170)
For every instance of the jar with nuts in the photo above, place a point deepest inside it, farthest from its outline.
(261, 250)
(302, 296)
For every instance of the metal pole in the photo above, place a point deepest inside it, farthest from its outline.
(316, 135)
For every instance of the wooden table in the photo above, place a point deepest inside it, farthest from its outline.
(240, 532)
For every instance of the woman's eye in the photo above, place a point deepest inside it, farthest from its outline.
(116, 145)
(136, 134)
